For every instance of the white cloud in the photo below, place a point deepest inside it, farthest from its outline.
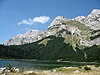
(41, 19)
(30, 21)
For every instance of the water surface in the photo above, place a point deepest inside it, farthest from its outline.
(42, 65)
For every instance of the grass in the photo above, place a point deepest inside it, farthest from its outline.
(82, 71)
(63, 71)
(78, 24)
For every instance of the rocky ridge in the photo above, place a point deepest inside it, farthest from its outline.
(28, 37)
(80, 31)
(92, 20)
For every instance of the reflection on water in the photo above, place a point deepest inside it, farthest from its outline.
(31, 65)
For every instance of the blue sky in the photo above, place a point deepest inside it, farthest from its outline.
(18, 16)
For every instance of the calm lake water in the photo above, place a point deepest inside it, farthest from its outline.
(42, 65)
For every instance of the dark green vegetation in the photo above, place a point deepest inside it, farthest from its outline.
(87, 68)
(52, 49)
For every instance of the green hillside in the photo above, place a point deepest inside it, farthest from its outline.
(50, 48)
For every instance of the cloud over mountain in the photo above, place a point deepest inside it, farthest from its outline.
(30, 21)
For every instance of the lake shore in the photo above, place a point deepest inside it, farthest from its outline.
(81, 70)
(91, 68)
(47, 60)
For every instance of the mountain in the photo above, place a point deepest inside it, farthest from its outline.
(92, 20)
(76, 39)
(50, 48)
(29, 37)
(80, 31)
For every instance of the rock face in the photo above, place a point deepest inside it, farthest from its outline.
(29, 37)
(92, 20)
(80, 31)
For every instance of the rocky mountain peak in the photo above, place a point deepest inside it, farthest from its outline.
(95, 14)
(60, 17)
(95, 11)
(58, 21)
(33, 32)
(28, 37)
(92, 20)
(82, 30)
(79, 18)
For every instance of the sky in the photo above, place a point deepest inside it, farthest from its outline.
(19, 16)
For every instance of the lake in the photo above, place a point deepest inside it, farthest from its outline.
(40, 65)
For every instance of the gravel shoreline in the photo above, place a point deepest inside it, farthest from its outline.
(81, 70)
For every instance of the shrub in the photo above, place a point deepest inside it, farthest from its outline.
(80, 67)
(9, 66)
(87, 68)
